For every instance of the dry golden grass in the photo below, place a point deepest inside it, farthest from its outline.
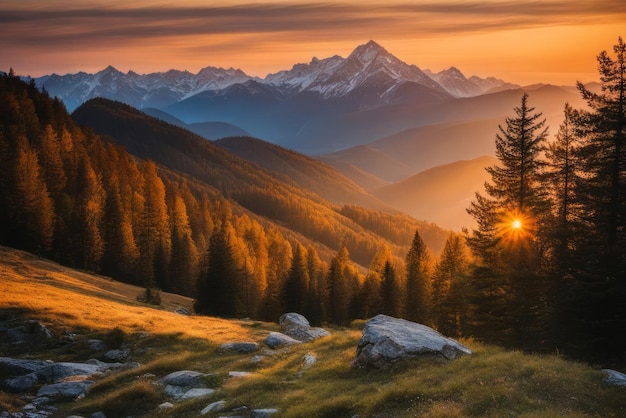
(68, 298)
(492, 382)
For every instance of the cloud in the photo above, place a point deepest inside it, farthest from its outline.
(74, 27)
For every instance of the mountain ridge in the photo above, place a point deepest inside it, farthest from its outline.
(332, 77)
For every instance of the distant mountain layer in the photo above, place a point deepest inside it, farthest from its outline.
(279, 195)
(440, 194)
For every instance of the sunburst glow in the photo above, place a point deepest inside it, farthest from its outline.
(517, 224)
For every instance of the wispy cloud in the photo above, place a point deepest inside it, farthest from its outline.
(65, 26)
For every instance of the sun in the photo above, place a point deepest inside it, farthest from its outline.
(517, 224)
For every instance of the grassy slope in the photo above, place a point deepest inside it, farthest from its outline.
(492, 382)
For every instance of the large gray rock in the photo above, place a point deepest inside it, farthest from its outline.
(386, 340)
(18, 367)
(614, 378)
(277, 339)
(20, 384)
(297, 326)
(65, 390)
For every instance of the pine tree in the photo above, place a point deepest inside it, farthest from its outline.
(450, 288)
(91, 211)
(390, 291)
(508, 241)
(218, 292)
(560, 177)
(296, 286)
(338, 287)
(30, 207)
(603, 153)
(185, 259)
(594, 297)
(418, 281)
(155, 235)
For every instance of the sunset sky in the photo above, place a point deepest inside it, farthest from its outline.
(525, 42)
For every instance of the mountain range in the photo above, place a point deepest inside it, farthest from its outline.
(332, 78)
(370, 116)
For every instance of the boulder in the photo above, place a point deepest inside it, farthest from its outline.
(57, 371)
(614, 378)
(20, 384)
(386, 340)
(241, 347)
(18, 367)
(65, 390)
(297, 326)
(277, 339)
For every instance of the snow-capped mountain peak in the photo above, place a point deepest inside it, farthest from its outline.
(369, 76)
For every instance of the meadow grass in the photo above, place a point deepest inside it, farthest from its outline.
(492, 382)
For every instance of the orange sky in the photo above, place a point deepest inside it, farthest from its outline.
(525, 42)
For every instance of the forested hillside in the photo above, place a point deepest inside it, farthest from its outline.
(210, 216)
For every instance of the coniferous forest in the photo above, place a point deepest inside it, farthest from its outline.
(544, 270)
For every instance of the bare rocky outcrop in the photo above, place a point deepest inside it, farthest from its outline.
(387, 340)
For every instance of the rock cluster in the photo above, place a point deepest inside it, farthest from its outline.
(53, 381)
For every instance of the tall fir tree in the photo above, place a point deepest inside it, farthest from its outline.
(296, 288)
(391, 293)
(218, 292)
(418, 281)
(338, 287)
(451, 289)
(560, 177)
(595, 295)
(507, 241)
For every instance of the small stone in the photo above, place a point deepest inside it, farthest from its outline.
(242, 347)
(182, 378)
(197, 393)
(264, 413)
(182, 311)
(117, 355)
(277, 339)
(214, 407)
(239, 374)
(257, 359)
(96, 345)
(309, 360)
(164, 406)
